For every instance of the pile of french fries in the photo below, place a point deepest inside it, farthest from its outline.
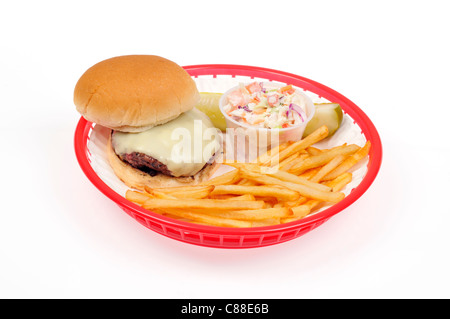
(287, 183)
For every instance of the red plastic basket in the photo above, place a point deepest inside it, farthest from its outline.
(223, 237)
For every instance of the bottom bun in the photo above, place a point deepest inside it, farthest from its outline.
(138, 179)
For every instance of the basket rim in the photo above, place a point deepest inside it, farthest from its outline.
(368, 129)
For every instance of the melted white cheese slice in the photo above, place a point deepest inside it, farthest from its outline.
(184, 144)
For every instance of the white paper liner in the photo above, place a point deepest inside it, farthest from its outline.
(349, 133)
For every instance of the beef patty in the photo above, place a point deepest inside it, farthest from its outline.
(145, 163)
(148, 164)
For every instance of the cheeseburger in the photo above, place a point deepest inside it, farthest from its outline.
(148, 102)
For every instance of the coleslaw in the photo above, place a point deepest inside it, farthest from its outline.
(261, 105)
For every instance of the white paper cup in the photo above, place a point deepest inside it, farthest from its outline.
(265, 138)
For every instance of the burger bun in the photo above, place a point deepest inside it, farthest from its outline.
(133, 93)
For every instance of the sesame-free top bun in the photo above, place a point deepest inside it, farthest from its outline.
(133, 93)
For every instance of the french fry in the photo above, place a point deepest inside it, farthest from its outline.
(224, 196)
(179, 189)
(137, 197)
(195, 191)
(293, 163)
(267, 158)
(308, 174)
(287, 163)
(288, 177)
(303, 210)
(162, 195)
(289, 219)
(316, 151)
(349, 162)
(199, 193)
(281, 175)
(243, 197)
(291, 158)
(301, 189)
(295, 203)
(266, 222)
(158, 203)
(313, 150)
(298, 159)
(268, 204)
(246, 182)
(180, 218)
(323, 158)
(257, 214)
(269, 201)
(239, 165)
(224, 179)
(331, 165)
(340, 182)
(299, 212)
(233, 197)
(337, 185)
(240, 180)
(264, 191)
(209, 219)
(314, 137)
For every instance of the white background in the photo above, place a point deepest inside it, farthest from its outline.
(60, 237)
